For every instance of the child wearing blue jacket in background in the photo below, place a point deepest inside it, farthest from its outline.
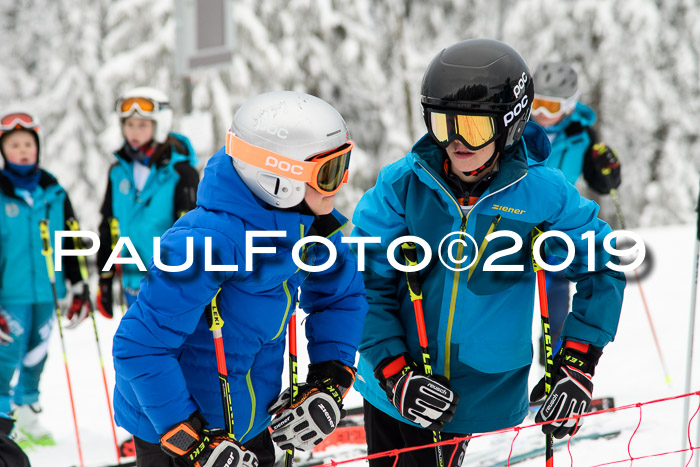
(575, 151)
(480, 169)
(152, 183)
(286, 156)
(28, 195)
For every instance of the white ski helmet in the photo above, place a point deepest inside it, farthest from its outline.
(149, 103)
(280, 141)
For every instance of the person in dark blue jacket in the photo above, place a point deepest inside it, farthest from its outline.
(576, 150)
(152, 183)
(29, 195)
(269, 189)
(479, 171)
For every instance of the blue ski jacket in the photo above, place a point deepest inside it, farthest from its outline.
(169, 191)
(23, 274)
(478, 322)
(573, 139)
(164, 354)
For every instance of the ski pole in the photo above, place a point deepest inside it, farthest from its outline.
(691, 337)
(547, 342)
(293, 381)
(47, 251)
(82, 262)
(616, 200)
(216, 322)
(115, 234)
(414, 289)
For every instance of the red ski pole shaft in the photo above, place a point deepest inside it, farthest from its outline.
(293, 378)
(73, 226)
(216, 322)
(414, 289)
(547, 343)
(47, 251)
(618, 208)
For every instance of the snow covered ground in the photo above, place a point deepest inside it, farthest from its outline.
(630, 371)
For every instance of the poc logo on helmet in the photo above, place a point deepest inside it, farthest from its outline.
(284, 166)
(520, 85)
(281, 133)
(517, 110)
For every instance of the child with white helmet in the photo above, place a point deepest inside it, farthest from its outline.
(28, 196)
(576, 151)
(152, 183)
(286, 156)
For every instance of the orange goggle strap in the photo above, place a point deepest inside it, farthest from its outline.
(301, 171)
(180, 439)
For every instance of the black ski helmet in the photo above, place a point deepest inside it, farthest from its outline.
(481, 76)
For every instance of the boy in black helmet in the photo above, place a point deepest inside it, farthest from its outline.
(478, 171)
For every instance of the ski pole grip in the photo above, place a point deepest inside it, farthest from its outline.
(408, 249)
(211, 313)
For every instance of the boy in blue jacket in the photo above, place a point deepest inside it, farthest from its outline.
(285, 158)
(575, 151)
(28, 195)
(152, 183)
(479, 170)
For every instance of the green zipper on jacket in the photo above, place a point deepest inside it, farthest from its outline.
(460, 248)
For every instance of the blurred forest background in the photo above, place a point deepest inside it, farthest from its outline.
(638, 64)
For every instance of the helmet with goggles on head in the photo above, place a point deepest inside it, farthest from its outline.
(149, 103)
(280, 141)
(19, 120)
(477, 91)
(557, 89)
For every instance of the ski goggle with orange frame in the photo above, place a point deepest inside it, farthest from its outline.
(141, 105)
(324, 172)
(554, 106)
(18, 121)
(475, 131)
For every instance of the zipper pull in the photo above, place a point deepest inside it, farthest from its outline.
(463, 225)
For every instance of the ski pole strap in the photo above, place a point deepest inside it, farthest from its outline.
(411, 257)
(114, 231)
(47, 251)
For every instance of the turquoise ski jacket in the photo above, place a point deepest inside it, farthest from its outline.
(23, 274)
(478, 321)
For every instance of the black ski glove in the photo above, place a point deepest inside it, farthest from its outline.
(602, 169)
(105, 298)
(317, 409)
(572, 388)
(193, 445)
(426, 400)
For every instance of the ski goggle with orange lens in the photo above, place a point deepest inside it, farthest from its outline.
(18, 120)
(553, 106)
(475, 131)
(144, 106)
(324, 172)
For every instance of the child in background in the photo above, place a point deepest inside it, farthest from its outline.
(576, 150)
(152, 183)
(29, 195)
